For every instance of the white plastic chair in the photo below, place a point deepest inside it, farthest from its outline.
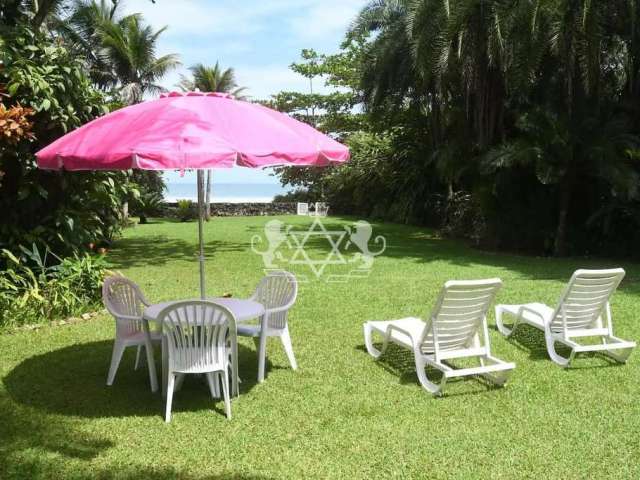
(124, 300)
(303, 208)
(322, 209)
(277, 292)
(579, 313)
(197, 334)
(456, 328)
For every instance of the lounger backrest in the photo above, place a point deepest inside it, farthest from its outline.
(459, 312)
(585, 298)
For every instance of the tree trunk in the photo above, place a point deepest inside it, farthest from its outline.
(143, 219)
(207, 200)
(560, 245)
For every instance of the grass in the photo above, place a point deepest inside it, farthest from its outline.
(341, 415)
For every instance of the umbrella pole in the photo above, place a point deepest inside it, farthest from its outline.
(200, 229)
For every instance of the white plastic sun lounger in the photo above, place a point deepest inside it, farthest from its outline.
(579, 313)
(456, 328)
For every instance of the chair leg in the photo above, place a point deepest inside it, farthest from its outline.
(165, 365)
(618, 357)
(116, 356)
(235, 379)
(428, 385)
(225, 392)
(151, 366)
(179, 381)
(288, 348)
(554, 355)
(213, 380)
(262, 351)
(368, 341)
(507, 332)
(498, 378)
(138, 350)
(170, 384)
(151, 363)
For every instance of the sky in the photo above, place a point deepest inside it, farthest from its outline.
(259, 39)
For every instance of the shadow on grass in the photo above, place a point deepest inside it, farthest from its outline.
(159, 250)
(72, 381)
(26, 432)
(400, 362)
(530, 339)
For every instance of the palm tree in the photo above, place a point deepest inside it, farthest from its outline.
(82, 32)
(211, 79)
(130, 48)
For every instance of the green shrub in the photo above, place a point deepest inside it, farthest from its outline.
(63, 211)
(31, 291)
(186, 210)
(147, 204)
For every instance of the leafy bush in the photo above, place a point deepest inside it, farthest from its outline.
(297, 195)
(45, 93)
(147, 204)
(186, 210)
(32, 291)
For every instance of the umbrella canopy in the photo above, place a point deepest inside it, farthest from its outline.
(192, 130)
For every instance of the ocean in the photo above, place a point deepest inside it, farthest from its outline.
(226, 192)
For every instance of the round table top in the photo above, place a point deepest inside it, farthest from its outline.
(242, 309)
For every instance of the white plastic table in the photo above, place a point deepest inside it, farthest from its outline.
(242, 309)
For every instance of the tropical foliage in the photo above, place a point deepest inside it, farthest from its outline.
(35, 289)
(212, 79)
(528, 108)
(63, 64)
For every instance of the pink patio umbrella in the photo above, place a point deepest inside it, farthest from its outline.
(192, 130)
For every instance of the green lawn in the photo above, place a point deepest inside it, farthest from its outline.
(341, 415)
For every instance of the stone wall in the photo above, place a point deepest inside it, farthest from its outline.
(245, 209)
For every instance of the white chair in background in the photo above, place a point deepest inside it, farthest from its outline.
(124, 300)
(322, 209)
(198, 333)
(303, 208)
(579, 313)
(456, 329)
(277, 292)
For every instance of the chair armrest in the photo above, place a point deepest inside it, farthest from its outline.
(278, 309)
(137, 318)
(391, 328)
(524, 308)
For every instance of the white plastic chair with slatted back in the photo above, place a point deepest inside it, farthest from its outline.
(277, 292)
(456, 329)
(198, 333)
(124, 300)
(302, 208)
(322, 209)
(579, 313)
